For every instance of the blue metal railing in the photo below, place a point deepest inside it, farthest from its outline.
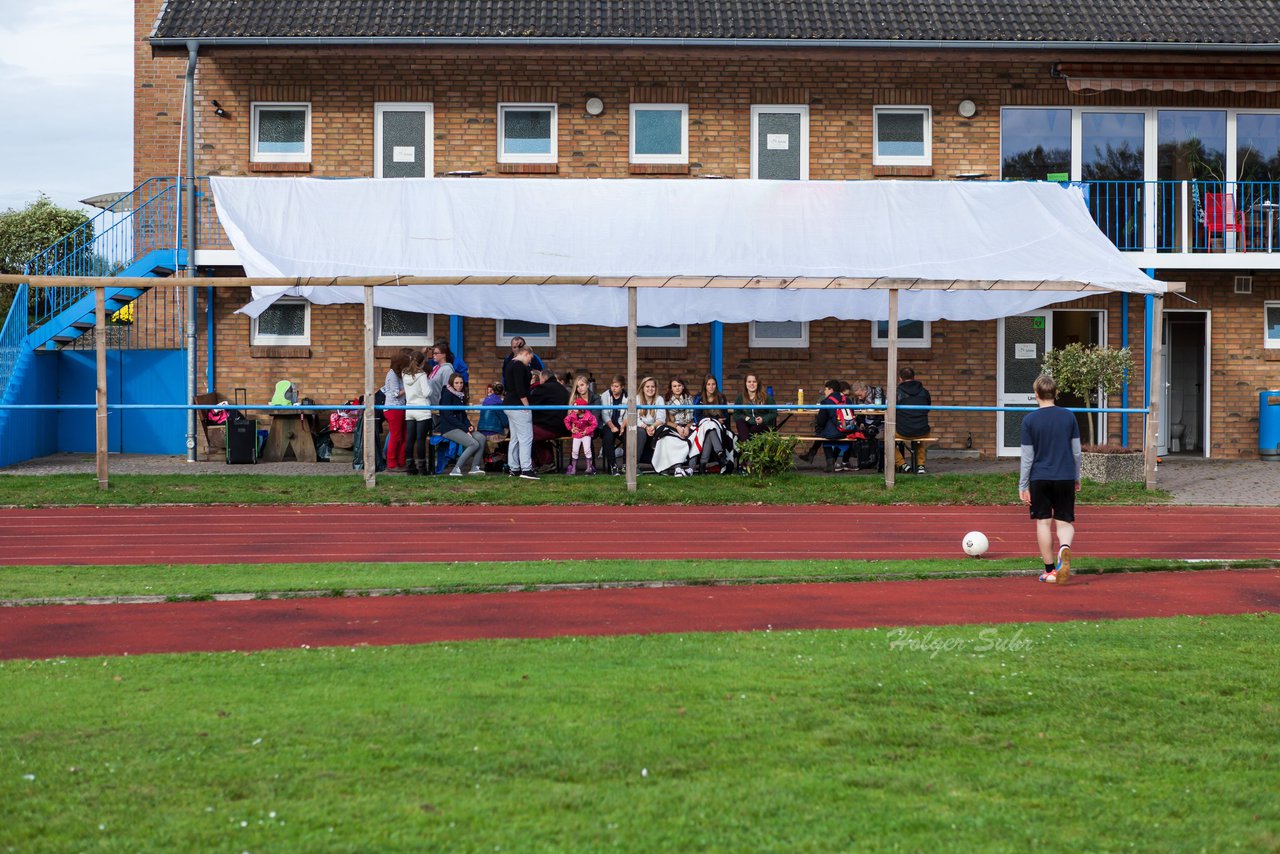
(146, 220)
(11, 337)
(1186, 216)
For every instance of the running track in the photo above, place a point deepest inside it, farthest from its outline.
(92, 630)
(205, 535)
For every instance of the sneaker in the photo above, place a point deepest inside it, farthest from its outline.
(455, 473)
(839, 466)
(530, 474)
(921, 470)
(591, 468)
(617, 470)
(1063, 569)
(905, 468)
(476, 471)
(1049, 577)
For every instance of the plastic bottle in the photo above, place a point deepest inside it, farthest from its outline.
(800, 396)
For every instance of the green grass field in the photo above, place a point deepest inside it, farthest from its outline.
(51, 582)
(866, 488)
(1152, 734)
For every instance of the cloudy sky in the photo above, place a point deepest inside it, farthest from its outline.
(66, 99)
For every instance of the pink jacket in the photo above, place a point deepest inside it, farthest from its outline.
(580, 422)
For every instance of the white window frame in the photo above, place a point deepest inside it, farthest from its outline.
(257, 338)
(878, 159)
(504, 157)
(428, 144)
(681, 341)
(754, 340)
(1269, 343)
(802, 110)
(903, 343)
(683, 156)
(503, 338)
(381, 339)
(275, 157)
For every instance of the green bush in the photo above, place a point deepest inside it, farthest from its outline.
(767, 454)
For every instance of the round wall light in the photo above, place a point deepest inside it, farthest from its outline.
(594, 106)
(967, 109)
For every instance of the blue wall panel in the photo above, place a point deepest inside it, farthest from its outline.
(133, 376)
(31, 433)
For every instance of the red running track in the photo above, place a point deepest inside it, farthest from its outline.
(204, 535)
(92, 630)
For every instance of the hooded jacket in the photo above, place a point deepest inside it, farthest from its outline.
(913, 422)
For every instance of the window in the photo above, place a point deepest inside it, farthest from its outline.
(780, 143)
(527, 133)
(402, 141)
(534, 334)
(281, 133)
(673, 335)
(911, 333)
(1272, 321)
(903, 136)
(778, 333)
(394, 326)
(286, 321)
(659, 133)
(1035, 144)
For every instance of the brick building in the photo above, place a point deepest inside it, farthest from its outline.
(1171, 121)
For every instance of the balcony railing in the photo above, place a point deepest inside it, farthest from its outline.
(1186, 217)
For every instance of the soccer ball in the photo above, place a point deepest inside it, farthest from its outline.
(975, 544)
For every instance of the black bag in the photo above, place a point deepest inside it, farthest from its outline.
(240, 397)
(242, 441)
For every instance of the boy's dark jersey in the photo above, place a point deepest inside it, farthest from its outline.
(1050, 430)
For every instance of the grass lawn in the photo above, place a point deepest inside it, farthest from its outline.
(1156, 734)
(72, 489)
(41, 582)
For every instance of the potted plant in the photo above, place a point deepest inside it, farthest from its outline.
(1092, 373)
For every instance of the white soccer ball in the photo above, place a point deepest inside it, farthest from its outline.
(975, 544)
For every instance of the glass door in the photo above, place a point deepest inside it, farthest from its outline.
(1113, 161)
(1022, 341)
(402, 141)
(780, 143)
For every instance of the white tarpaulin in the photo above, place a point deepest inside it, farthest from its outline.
(929, 230)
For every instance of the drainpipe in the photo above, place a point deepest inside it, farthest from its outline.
(717, 353)
(192, 49)
(1124, 387)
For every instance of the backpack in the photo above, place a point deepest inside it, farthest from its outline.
(845, 420)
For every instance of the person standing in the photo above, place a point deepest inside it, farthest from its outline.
(1049, 477)
(515, 377)
(912, 423)
(393, 390)
(516, 344)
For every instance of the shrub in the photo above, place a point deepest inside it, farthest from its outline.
(767, 454)
(1088, 372)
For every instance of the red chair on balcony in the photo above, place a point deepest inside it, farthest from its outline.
(1221, 217)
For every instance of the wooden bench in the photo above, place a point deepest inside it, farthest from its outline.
(915, 443)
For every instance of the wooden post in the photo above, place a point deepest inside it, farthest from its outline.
(633, 465)
(370, 419)
(100, 355)
(891, 394)
(1152, 438)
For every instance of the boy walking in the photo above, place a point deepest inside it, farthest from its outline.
(1050, 477)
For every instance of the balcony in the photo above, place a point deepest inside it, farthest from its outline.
(1190, 224)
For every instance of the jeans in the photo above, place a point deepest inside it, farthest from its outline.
(471, 446)
(520, 449)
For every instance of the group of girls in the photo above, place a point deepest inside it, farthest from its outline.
(703, 428)
(426, 378)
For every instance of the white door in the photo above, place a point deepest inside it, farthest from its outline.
(1022, 342)
(402, 141)
(780, 143)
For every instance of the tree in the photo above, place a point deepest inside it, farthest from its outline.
(1088, 372)
(27, 232)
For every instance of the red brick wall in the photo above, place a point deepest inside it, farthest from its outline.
(840, 88)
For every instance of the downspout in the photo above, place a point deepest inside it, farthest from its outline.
(717, 353)
(1124, 387)
(208, 342)
(192, 49)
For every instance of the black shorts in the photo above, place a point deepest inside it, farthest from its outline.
(1053, 499)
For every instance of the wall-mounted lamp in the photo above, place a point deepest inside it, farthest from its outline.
(218, 111)
(594, 106)
(967, 109)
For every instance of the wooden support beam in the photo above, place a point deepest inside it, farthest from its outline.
(1152, 438)
(100, 356)
(633, 464)
(370, 419)
(891, 395)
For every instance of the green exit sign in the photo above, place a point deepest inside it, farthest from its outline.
(1037, 323)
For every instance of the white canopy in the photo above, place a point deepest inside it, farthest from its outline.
(937, 231)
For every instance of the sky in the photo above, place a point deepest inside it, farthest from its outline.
(66, 100)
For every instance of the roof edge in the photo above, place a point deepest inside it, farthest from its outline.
(472, 41)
